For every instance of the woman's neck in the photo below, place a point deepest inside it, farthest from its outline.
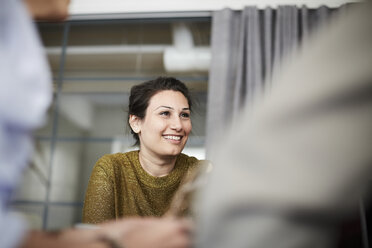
(157, 166)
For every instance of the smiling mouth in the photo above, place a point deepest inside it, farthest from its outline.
(172, 137)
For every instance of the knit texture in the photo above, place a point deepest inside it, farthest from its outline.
(120, 187)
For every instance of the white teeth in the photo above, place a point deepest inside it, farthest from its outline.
(172, 137)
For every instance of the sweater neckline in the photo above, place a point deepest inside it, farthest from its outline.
(158, 182)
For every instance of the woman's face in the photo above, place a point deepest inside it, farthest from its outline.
(165, 129)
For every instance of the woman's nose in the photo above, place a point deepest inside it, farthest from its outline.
(176, 124)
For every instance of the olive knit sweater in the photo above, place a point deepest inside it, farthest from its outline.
(119, 186)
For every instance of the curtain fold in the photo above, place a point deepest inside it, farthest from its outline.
(247, 47)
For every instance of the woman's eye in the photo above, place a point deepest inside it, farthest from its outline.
(185, 115)
(165, 113)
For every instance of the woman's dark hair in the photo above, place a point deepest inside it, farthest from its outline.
(141, 94)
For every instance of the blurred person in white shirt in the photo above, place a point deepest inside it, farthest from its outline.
(25, 95)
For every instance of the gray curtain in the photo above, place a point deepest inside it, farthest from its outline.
(246, 46)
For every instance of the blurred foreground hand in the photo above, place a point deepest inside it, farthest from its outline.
(48, 10)
(150, 232)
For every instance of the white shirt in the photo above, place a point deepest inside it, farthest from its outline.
(25, 94)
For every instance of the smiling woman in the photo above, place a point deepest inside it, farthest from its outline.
(143, 182)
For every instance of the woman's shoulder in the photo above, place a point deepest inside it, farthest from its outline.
(193, 162)
(187, 159)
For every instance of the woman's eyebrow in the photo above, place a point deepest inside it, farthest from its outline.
(164, 107)
(170, 108)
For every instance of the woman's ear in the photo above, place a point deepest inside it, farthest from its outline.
(135, 123)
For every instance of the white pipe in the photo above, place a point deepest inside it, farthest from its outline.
(112, 49)
(184, 56)
(178, 60)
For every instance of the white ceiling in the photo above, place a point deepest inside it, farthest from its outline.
(126, 6)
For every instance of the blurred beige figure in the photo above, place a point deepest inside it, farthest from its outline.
(25, 95)
(297, 164)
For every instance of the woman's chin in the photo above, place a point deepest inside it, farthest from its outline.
(172, 153)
